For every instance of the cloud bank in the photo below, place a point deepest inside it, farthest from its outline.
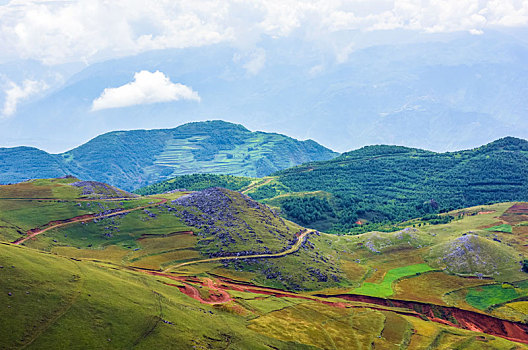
(89, 30)
(146, 88)
(16, 93)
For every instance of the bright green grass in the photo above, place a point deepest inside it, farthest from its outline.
(25, 215)
(384, 289)
(484, 297)
(500, 228)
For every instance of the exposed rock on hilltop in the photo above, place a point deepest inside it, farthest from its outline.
(383, 242)
(229, 222)
(474, 255)
(95, 189)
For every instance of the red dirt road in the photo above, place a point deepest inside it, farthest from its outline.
(465, 319)
(61, 223)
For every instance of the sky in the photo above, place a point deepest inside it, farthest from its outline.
(42, 43)
(55, 32)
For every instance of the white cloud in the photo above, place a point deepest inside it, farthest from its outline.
(146, 88)
(16, 93)
(256, 62)
(316, 70)
(90, 30)
(343, 52)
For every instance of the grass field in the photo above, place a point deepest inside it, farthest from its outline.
(501, 228)
(432, 287)
(384, 289)
(53, 302)
(486, 296)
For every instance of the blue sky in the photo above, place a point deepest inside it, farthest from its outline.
(44, 43)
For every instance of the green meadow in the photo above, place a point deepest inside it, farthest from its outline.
(384, 289)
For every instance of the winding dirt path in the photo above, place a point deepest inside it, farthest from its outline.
(54, 224)
(256, 185)
(293, 249)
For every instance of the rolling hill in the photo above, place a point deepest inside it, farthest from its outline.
(131, 159)
(215, 269)
(380, 183)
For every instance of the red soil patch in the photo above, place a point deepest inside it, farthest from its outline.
(217, 296)
(519, 208)
(485, 212)
(516, 213)
(520, 230)
(216, 293)
(469, 320)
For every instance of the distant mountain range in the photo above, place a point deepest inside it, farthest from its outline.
(131, 159)
(455, 92)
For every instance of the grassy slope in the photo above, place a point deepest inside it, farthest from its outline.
(34, 203)
(61, 303)
(384, 288)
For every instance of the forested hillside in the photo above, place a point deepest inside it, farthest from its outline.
(132, 159)
(196, 182)
(391, 183)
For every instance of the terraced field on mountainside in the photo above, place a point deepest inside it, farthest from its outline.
(142, 157)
